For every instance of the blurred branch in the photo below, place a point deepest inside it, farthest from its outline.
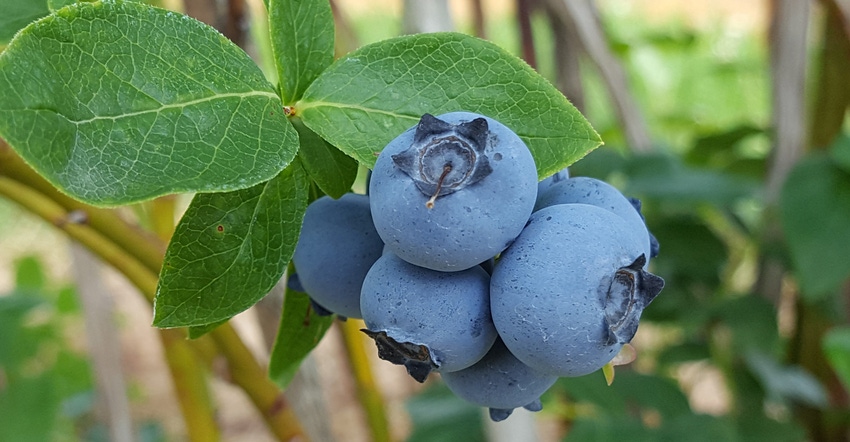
(582, 14)
(266, 396)
(103, 344)
(526, 38)
(234, 23)
(367, 390)
(843, 9)
(479, 24)
(199, 418)
(203, 10)
(76, 221)
(345, 39)
(567, 54)
(74, 224)
(137, 242)
(162, 216)
(190, 385)
(431, 16)
(832, 96)
(788, 30)
(305, 392)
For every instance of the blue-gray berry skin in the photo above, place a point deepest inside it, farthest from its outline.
(557, 177)
(500, 382)
(569, 291)
(338, 245)
(598, 193)
(654, 247)
(426, 319)
(452, 191)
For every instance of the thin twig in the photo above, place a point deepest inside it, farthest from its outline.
(588, 26)
(523, 15)
(367, 390)
(788, 31)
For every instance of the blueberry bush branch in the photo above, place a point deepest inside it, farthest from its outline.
(133, 261)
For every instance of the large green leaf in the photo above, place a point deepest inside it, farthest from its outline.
(300, 331)
(116, 102)
(815, 210)
(333, 171)
(302, 37)
(229, 250)
(370, 96)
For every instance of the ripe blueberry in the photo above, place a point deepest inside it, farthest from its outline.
(337, 246)
(561, 175)
(452, 191)
(598, 193)
(568, 293)
(426, 319)
(500, 382)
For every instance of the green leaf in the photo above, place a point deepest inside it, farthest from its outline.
(653, 392)
(437, 414)
(302, 37)
(664, 177)
(17, 14)
(786, 382)
(698, 428)
(840, 152)
(333, 171)
(196, 331)
(609, 429)
(30, 407)
(300, 331)
(29, 274)
(754, 426)
(117, 102)
(836, 346)
(19, 341)
(229, 250)
(367, 98)
(752, 320)
(815, 209)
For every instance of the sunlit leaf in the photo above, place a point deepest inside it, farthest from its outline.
(229, 250)
(117, 102)
(373, 94)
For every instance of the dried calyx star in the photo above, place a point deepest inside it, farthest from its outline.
(445, 157)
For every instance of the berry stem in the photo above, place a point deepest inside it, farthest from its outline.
(446, 169)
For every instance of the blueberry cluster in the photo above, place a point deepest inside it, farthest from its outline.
(460, 262)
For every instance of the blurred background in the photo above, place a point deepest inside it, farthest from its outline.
(726, 118)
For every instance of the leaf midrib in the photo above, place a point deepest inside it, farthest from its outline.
(173, 106)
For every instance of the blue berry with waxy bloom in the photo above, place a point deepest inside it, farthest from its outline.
(338, 245)
(557, 177)
(569, 292)
(500, 382)
(452, 191)
(425, 319)
(598, 193)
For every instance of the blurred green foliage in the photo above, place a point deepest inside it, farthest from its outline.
(705, 94)
(45, 385)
